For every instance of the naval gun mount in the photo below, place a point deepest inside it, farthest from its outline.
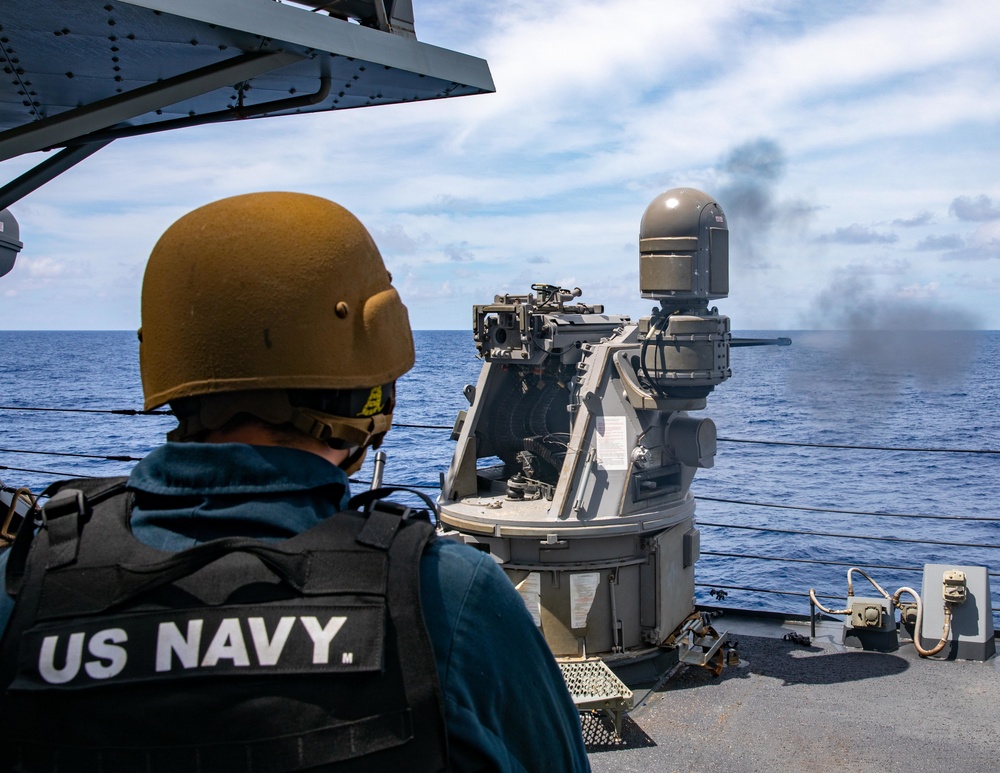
(587, 505)
(574, 461)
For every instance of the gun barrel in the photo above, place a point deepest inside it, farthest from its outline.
(760, 342)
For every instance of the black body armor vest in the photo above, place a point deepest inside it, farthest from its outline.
(235, 654)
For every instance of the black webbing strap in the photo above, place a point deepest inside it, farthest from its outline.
(384, 520)
(62, 516)
(92, 490)
(416, 656)
(388, 527)
(95, 589)
(365, 500)
(307, 562)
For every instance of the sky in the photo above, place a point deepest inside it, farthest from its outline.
(854, 146)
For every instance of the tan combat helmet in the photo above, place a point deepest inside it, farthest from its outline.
(276, 305)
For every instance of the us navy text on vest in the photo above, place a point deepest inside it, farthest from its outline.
(224, 641)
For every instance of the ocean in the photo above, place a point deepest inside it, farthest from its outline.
(916, 390)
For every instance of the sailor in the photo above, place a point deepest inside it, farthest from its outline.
(224, 607)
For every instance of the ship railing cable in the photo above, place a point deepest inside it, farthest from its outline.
(711, 524)
(116, 411)
(872, 537)
(749, 441)
(874, 513)
(788, 559)
(774, 505)
(833, 535)
(105, 457)
(714, 586)
(71, 454)
(138, 412)
(53, 473)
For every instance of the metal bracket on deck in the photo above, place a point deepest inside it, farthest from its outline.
(699, 644)
(594, 687)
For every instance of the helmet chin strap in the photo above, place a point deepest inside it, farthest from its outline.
(354, 460)
(274, 407)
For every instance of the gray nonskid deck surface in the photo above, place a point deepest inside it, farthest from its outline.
(790, 707)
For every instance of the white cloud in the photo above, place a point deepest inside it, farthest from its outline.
(920, 292)
(885, 115)
(43, 268)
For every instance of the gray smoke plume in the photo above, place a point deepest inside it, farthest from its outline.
(752, 172)
(891, 338)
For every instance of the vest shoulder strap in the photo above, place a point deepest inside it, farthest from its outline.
(67, 509)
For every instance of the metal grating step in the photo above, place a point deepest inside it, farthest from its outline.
(594, 687)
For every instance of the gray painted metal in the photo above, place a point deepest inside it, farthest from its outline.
(80, 59)
(10, 244)
(877, 635)
(972, 622)
(387, 15)
(590, 515)
(11, 506)
(56, 130)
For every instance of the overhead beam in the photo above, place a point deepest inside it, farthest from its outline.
(49, 169)
(278, 21)
(63, 127)
(203, 119)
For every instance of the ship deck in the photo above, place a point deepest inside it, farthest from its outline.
(808, 707)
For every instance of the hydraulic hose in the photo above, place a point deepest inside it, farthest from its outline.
(814, 600)
(894, 604)
(850, 585)
(920, 616)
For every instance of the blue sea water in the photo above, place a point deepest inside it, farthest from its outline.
(858, 388)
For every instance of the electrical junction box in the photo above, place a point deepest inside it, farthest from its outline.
(871, 624)
(971, 635)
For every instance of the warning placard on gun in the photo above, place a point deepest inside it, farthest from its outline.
(612, 442)
(582, 591)
(530, 589)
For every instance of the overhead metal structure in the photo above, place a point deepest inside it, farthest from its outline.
(78, 74)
